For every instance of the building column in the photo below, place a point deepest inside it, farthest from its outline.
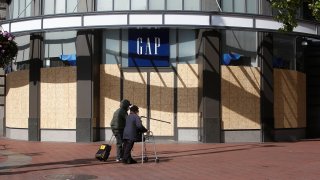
(266, 102)
(36, 41)
(87, 86)
(2, 102)
(210, 90)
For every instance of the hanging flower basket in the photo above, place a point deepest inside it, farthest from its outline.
(8, 48)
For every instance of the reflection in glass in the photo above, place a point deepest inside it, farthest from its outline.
(187, 46)
(104, 5)
(112, 46)
(60, 48)
(239, 6)
(156, 4)
(49, 7)
(252, 6)
(139, 5)
(60, 6)
(191, 4)
(174, 5)
(121, 5)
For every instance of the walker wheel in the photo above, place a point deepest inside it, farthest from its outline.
(157, 160)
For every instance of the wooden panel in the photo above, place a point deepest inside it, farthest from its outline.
(58, 98)
(135, 90)
(188, 82)
(109, 92)
(289, 99)
(17, 99)
(240, 97)
(161, 103)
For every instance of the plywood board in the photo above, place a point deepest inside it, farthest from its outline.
(240, 97)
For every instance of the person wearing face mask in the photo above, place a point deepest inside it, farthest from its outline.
(131, 134)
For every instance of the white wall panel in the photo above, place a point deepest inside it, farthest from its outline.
(306, 28)
(172, 19)
(267, 24)
(105, 20)
(232, 21)
(145, 19)
(26, 25)
(61, 22)
(5, 27)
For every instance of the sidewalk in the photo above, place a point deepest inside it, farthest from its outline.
(50, 160)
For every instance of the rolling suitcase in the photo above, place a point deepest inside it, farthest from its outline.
(103, 152)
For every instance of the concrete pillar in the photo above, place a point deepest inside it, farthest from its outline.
(267, 114)
(36, 41)
(88, 60)
(210, 90)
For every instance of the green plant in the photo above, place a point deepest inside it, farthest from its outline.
(287, 11)
(8, 48)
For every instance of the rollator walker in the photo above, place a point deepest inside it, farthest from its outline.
(148, 137)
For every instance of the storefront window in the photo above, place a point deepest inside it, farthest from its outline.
(283, 51)
(111, 47)
(20, 8)
(60, 49)
(149, 47)
(239, 48)
(22, 60)
(187, 46)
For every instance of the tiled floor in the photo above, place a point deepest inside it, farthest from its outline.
(47, 160)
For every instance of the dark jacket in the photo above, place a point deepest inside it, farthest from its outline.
(133, 126)
(118, 121)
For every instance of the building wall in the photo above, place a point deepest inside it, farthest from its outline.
(109, 92)
(240, 97)
(17, 99)
(187, 100)
(289, 99)
(58, 98)
(2, 10)
(161, 98)
(135, 90)
(161, 103)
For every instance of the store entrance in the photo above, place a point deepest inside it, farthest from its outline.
(312, 68)
(152, 90)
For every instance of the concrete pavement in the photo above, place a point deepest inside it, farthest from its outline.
(52, 160)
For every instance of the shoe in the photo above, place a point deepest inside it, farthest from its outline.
(131, 161)
(118, 160)
(124, 161)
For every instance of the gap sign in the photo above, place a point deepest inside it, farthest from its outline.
(149, 48)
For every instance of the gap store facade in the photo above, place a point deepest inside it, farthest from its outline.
(216, 72)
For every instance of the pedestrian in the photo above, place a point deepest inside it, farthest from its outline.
(117, 124)
(131, 134)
